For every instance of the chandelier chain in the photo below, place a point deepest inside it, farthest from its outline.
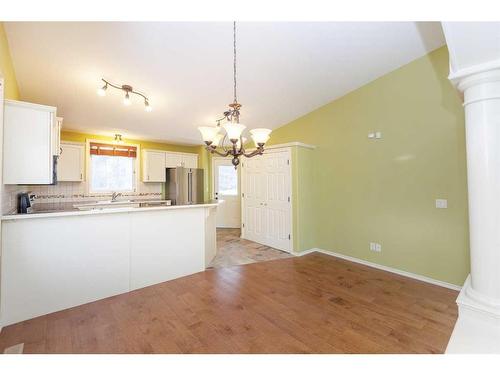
(234, 60)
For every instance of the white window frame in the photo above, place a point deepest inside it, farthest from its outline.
(88, 166)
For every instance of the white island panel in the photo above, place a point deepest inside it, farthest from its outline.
(51, 262)
(166, 245)
(56, 263)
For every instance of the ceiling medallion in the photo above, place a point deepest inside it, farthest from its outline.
(232, 142)
(128, 90)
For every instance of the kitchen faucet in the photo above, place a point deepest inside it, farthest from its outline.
(115, 195)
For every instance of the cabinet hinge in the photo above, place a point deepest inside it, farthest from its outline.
(288, 199)
(288, 161)
(289, 237)
(243, 195)
(243, 225)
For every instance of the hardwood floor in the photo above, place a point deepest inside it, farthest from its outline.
(310, 304)
(233, 250)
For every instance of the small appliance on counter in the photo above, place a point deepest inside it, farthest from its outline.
(23, 203)
(184, 185)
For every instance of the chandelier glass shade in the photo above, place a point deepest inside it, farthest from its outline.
(227, 139)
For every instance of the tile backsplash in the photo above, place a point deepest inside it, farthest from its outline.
(66, 192)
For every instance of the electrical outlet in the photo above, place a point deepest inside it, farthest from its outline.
(378, 135)
(371, 135)
(441, 203)
(375, 247)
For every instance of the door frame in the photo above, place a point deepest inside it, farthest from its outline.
(287, 150)
(212, 182)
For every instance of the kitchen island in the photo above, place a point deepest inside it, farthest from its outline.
(57, 260)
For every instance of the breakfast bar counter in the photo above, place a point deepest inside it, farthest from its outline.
(57, 260)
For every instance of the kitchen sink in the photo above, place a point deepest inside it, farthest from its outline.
(122, 204)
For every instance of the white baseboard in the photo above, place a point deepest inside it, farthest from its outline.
(381, 267)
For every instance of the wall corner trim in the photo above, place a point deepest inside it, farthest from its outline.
(411, 275)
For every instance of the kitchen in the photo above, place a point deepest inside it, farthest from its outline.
(88, 220)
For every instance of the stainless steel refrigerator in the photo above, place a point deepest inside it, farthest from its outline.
(184, 185)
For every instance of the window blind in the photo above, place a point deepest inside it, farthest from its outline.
(112, 150)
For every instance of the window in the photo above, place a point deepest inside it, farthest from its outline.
(228, 180)
(112, 168)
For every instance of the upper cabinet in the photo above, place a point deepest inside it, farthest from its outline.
(178, 159)
(71, 164)
(154, 163)
(31, 143)
(173, 159)
(153, 166)
(189, 161)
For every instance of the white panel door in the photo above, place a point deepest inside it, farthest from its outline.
(154, 166)
(277, 207)
(266, 182)
(173, 159)
(254, 191)
(227, 192)
(71, 162)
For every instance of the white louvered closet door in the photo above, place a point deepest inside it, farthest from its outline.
(266, 201)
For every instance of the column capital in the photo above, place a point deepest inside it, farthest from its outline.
(466, 81)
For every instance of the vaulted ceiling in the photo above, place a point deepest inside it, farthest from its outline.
(285, 70)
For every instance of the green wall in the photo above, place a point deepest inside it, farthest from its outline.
(384, 190)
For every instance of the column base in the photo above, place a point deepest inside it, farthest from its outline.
(478, 326)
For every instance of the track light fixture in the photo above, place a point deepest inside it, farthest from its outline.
(128, 90)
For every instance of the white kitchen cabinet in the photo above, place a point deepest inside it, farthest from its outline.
(189, 160)
(56, 136)
(31, 143)
(71, 163)
(155, 161)
(179, 159)
(173, 159)
(153, 166)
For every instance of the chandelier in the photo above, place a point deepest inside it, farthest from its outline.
(231, 141)
(127, 89)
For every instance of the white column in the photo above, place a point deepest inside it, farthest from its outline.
(482, 122)
(478, 327)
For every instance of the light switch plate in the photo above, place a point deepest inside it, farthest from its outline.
(378, 135)
(371, 135)
(441, 203)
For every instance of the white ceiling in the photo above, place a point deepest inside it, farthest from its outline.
(285, 70)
